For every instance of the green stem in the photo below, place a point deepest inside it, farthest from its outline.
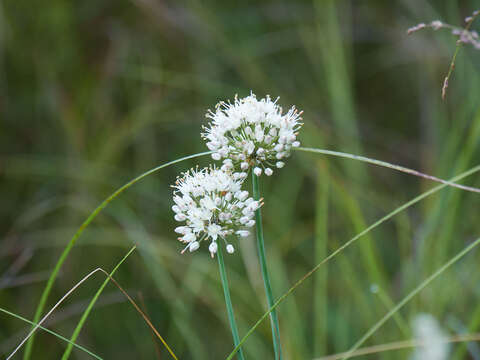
(266, 279)
(228, 301)
(387, 165)
(73, 240)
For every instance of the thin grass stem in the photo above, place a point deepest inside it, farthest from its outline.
(228, 301)
(399, 345)
(266, 278)
(388, 165)
(143, 314)
(73, 240)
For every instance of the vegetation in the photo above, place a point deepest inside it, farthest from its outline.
(96, 93)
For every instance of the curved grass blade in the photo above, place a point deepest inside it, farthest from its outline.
(399, 345)
(50, 332)
(73, 240)
(347, 244)
(145, 317)
(407, 298)
(388, 165)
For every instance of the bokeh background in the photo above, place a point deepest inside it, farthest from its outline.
(93, 93)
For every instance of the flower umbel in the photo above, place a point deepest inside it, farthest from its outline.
(212, 204)
(252, 133)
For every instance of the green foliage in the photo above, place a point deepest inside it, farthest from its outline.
(93, 93)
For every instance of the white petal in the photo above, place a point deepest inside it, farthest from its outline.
(213, 247)
(242, 233)
(182, 230)
(250, 223)
(190, 237)
(194, 246)
(180, 217)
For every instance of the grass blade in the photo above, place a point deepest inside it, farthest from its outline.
(142, 313)
(399, 345)
(388, 165)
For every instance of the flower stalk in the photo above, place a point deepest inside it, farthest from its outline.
(266, 278)
(228, 301)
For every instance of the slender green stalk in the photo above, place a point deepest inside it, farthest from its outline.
(89, 308)
(398, 345)
(50, 332)
(228, 301)
(407, 298)
(344, 246)
(388, 165)
(266, 279)
(73, 240)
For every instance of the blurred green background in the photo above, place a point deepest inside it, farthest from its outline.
(93, 93)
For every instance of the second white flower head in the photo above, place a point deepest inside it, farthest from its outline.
(252, 133)
(213, 206)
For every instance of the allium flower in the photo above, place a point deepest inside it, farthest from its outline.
(252, 133)
(213, 206)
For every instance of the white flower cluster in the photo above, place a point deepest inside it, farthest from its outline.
(252, 133)
(212, 205)
(432, 338)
